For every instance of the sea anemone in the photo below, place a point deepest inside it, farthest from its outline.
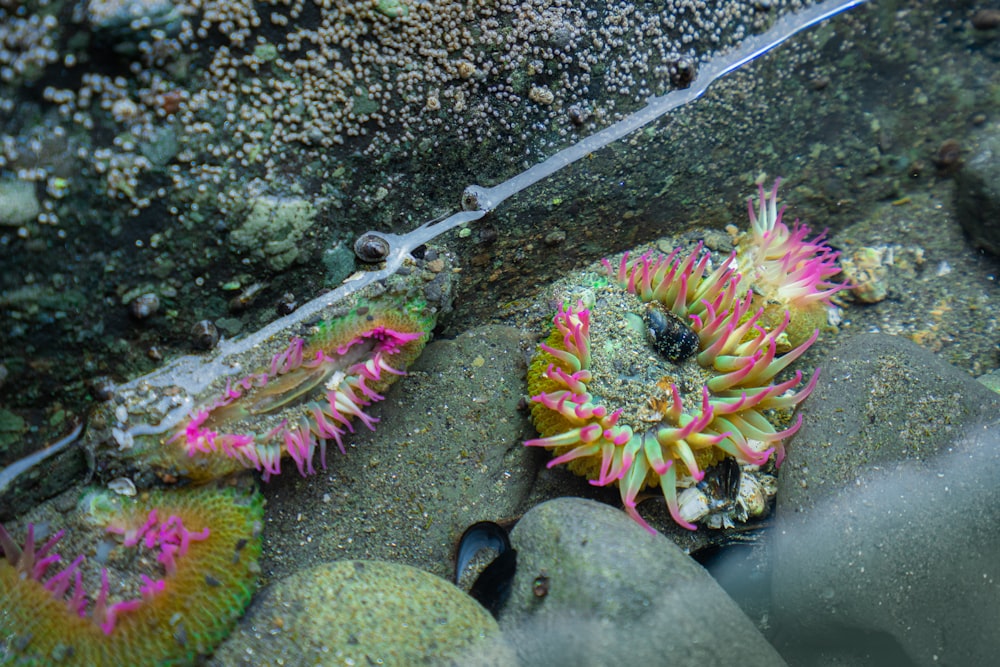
(197, 565)
(621, 396)
(308, 395)
(787, 271)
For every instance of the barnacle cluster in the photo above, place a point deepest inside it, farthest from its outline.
(197, 552)
(612, 405)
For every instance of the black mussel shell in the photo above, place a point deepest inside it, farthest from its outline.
(722, 481)
(493, 585)
(671, 336)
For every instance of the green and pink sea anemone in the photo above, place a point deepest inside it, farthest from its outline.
(787, 271)
(310, 394)
(193, 554)
(611, 407)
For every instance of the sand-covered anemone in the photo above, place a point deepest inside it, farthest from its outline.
(312, 392)
(178, 569)
(620, 396)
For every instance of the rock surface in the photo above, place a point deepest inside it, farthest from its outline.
(273, 229)
(446, 453)
(884, 551)
(977, 191)
(593, 588)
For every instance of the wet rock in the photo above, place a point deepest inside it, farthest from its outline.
(162, 146)
(990, 380)
(446, 453)
(977, 191)
(883, 552)
(592, 587)
(30, 475)
(364, 613)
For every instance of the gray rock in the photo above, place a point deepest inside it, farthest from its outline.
(884, 550)
(593, 588)
(365, 613)
(977, 191)
(446, 453)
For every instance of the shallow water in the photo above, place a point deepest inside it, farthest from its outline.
(853, 115)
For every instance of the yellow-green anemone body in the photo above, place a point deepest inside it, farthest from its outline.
(190, 600)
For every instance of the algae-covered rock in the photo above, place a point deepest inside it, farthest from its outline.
(273, 229)
(18, 203)
(365, 613)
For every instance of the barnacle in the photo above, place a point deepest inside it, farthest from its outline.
(196, 561)
(610, 406)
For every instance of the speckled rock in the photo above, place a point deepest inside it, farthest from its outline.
(365, 613)
(884, 551)
(977, 191)
(593, 588)
(446, 453)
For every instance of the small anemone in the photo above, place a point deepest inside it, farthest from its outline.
(787, 270)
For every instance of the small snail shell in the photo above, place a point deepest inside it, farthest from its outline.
(371, 248)
(144, 305)
(204, 335)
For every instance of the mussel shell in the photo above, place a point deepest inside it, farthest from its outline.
(672, 338)
(493, 585)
